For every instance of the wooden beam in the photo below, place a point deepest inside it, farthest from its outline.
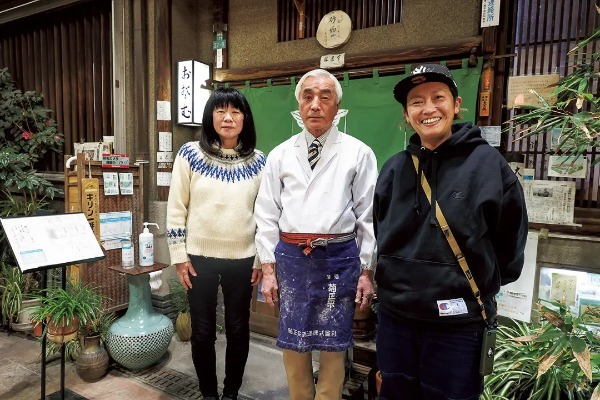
(395, 56)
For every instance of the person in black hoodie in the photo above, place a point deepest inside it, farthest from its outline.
(431, 323)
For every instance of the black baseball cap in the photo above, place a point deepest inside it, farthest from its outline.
(421, 74)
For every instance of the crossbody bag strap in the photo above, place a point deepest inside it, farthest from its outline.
(462, 261)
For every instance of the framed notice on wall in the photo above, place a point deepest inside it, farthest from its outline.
(524, 90)
(49, 241)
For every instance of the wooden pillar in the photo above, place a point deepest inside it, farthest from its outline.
(496, 43)
(163, 80)
(140, 62)
(220, 39)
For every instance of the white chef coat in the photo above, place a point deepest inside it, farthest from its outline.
(335, 197)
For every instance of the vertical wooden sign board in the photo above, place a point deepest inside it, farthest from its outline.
(90, 203)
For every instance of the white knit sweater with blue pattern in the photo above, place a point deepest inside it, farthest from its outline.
(211, 204)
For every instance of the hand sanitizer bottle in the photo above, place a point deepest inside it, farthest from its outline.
(127, 253)
(146, 244)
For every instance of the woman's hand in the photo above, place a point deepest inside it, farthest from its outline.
(256, 277)
(184, 270)
(269, 284)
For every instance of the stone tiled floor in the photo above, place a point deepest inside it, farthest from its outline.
(20, 373)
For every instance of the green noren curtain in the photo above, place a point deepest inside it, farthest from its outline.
(373, 116)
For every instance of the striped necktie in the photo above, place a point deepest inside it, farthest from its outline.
(314, 153)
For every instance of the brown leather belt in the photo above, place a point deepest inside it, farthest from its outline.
(309, 241)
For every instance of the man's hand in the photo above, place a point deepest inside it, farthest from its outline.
(184, 270)
(269, 284)
(256, 277)
(365, 289)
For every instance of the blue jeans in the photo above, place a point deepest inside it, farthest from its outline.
(419, 363)
(234, 278)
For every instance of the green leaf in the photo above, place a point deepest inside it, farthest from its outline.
(577, 344)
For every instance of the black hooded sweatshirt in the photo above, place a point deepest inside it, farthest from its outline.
(483, 203)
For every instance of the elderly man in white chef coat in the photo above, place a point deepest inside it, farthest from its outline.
(315, 238)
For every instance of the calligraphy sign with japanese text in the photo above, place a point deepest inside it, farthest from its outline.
(90, 203)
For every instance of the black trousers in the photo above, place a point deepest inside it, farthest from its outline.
(234, 278)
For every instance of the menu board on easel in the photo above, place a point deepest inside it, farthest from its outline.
(42, 242)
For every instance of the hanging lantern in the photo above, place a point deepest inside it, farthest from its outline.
(192, 92)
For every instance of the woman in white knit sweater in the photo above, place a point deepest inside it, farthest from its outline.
(210, 232)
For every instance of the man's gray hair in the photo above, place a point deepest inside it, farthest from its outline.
(323, 73)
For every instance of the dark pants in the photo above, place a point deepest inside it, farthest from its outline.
(418, 363)
(234, 278)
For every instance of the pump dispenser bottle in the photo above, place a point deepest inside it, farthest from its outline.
(146, 246)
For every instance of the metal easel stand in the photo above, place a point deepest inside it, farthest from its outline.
(63, 394)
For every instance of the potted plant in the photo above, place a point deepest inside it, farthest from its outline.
(65, 309)
(27, 134)
(556, 359)
(16, 297)
(179, 300)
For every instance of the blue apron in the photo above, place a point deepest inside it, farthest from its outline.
(316, 296)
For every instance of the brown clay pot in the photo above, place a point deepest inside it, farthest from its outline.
(38, 329)
(63, 331)
(92, 361)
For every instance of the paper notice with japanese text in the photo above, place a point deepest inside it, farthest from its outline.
(550, 202)
(490, 13)
(115, 225)
(515, 300)
(54, 240)
(520, 87)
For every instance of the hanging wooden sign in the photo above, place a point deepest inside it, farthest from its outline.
(484, 104)
(90, 203)
(334, 29)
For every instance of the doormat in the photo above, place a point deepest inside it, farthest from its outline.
(69, 395)
(169, 381)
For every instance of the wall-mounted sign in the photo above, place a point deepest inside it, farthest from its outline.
(334, 29)
(490, 13)
(115, 161)
(192, 93)
(484, 103)
(522, 90)
(165, 141)
(332, 61)
(90, 203)
(219, 44)
(567, 167)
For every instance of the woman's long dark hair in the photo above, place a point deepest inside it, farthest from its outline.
(224, 97)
